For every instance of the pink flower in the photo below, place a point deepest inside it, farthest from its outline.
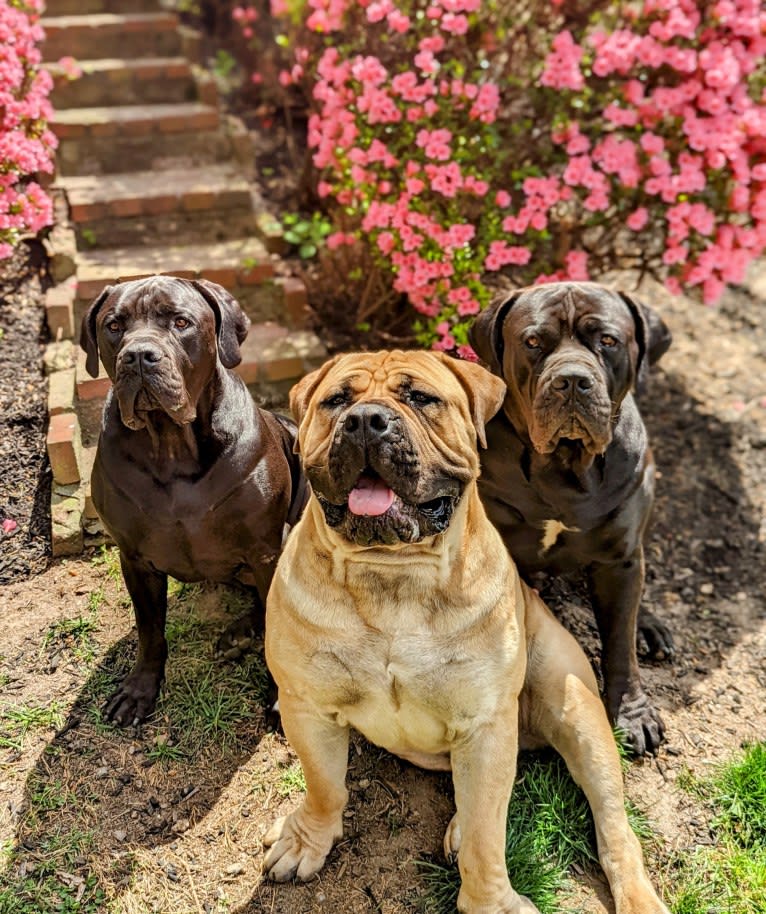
(503, 198)
(398, 21)
(577, 266)
(456, 24)
(638, 219)
(466, 352)
(562, 65)
(338, 239)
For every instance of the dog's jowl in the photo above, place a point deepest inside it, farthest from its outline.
(396, 610)
(191, 479)
(568, 475)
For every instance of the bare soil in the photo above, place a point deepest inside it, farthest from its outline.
(116, 822)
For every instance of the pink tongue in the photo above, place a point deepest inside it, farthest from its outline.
(370, 497)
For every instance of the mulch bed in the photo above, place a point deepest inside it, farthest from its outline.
(25, 477)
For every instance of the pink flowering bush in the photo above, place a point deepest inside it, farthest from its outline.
(26, 145)
(455, 140)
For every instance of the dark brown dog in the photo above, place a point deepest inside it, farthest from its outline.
(191, 479)
(568, 477)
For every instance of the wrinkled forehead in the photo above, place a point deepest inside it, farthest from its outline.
(567, 303)
(377, 374)
(157, 295)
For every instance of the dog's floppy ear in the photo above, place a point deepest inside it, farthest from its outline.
(486, 333)
(231, 322)
(88, 338)
(302, 392)
(485, 392)
(652, 335)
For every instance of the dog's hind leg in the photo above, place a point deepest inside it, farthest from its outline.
(299, 843)
(562, 705)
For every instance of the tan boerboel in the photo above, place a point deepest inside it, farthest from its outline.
(396, 610)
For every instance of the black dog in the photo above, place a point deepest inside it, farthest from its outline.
(191, 479)
(568, 476)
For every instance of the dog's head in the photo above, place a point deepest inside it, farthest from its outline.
(160, 340)
(569, 353)
(388, 440)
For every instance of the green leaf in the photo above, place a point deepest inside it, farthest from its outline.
(307, 250)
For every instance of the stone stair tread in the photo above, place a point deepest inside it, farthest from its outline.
(125, 114)
(107, 64)
(98, 268)
(215, 179)
(121, 21)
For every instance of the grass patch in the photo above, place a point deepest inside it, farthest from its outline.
(729, 877)
(16, 721)
(108, 558)
(74, 635)
(291, 780)
(47, 882)
(549, 829)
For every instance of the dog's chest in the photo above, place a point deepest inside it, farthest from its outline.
(409, 693)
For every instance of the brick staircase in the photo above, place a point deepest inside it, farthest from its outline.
(151, 178)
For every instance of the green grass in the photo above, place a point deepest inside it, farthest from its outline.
(730, 876)
(50, 884)
(291, 780)
(16, 721)
(550, 829)
(74, 635)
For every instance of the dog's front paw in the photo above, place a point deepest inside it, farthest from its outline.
(298, 850)
(135, 698)
(641, 725)
(656, 636)
(510, 903)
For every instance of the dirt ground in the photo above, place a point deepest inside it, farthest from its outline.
(121, 821)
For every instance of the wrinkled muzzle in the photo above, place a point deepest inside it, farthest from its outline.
(375, 489)
(148, 378)
(571, 402)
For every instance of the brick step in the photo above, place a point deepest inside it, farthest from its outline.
(133, 120)
(100, 35)
(111, 81)
(120, 210)
(107, 140)
(243, 266)
(83, 7)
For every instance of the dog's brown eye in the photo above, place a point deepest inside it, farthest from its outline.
(421, 398)
(336, 400)
(181, 323)
(113, 326)
(532, 342)
(608, 341)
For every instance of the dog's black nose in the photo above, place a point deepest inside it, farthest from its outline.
(146, 355)
(578, 380)
(368, 421)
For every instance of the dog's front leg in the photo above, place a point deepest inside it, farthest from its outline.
(135, 698)
(483, 771)
(300, 842)
(616, 593)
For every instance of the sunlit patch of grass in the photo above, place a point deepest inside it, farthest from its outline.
(291, 780)
(108, 558)
(730, 876)
(73, 635)
(16, 721)
(550, 830)
(47, 880)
